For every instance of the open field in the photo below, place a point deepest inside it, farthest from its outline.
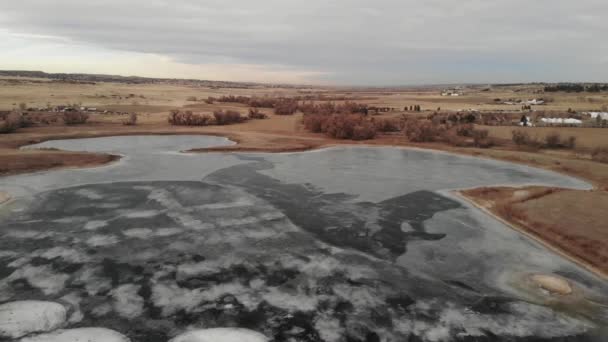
(586, 138)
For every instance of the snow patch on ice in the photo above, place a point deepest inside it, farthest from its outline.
(73, 299)
(7, 254)
(90, 194)
(101, 310)
(139, 233)
(162, 232)
(102, 240)
(241, 202)
(41, 277)
(329, 329)
(142, 214)
(29, 234)
(67, 254)
(291, 301)
(79, 335)
(93, 282)
(25, 317)
(146, 233)
(95, 224)
(127, 303)
(221, 335)
(525, 320)
(172, 298)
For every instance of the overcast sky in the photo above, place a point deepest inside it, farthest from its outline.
(373, 42)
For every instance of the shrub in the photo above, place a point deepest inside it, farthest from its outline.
(192, 98)
(423, 131)
(481, 138)
(131, 120)
(350, 126)
(364, 131)
(314, 122)
(285, 107)
(465, 130)
(75, 118)
(554, 140)
(341, 126)
(210, 100)
(11, 122)
(228, 117)
(522, 138)
(387, 125)
(600, 154)
(255, 113)
(188, 118)
(451, 138)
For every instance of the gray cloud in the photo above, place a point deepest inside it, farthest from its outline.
(356, 41)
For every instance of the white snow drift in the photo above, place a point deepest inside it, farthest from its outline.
(79, 335)
(25, 317)
(221, 335)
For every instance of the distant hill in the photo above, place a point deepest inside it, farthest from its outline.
(93, 78)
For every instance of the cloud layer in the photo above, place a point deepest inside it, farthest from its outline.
(354, 41)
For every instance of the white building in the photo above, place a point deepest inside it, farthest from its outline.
(561, 121)
(602, 115)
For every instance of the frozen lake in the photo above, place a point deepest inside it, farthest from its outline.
(339, 244)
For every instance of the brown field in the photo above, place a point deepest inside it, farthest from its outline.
(576, 225)
(566, 220)
(586, 138)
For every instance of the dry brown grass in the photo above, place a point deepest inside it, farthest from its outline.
(586, 138)
(570, 220)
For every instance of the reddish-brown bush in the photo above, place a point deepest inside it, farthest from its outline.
(600, 154)
(328, 108)
(387, 125)
(285, 106)
(452, 138)
(188, 118)
(314, 122)
(11, 122)
(465, 130)
(264, 102)
(341, 126)
(554, 140)
(234, 99)
(325, 108)
(75, 118)
(255, 113)
(131, 120)
(423, 131)
(522, 138)
(481, 138)
(227, 117)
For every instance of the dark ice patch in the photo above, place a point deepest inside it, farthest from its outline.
(336, 218)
